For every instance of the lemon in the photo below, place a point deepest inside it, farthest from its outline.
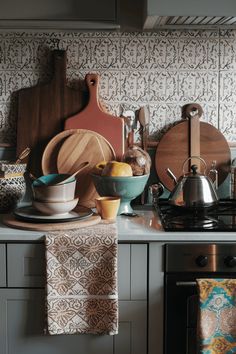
(117, 169)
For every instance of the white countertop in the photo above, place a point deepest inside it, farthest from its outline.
(145, 227)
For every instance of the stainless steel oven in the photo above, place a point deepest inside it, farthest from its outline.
(184, 263)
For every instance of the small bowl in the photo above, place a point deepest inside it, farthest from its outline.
(55, 208)
(45, 190)
(127, 188)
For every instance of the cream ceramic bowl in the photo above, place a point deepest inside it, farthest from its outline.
(55, 208)
(45, 190)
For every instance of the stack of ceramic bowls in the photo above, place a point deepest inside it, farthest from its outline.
(12, 185)
(53, 197)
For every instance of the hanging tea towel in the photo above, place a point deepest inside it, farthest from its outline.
(81, 268)
(217, 316)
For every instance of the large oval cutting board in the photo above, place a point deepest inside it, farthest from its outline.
(42, 110)
(84, 145)
(173, 150)
(93, 118)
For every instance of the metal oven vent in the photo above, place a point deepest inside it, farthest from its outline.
(182, 21)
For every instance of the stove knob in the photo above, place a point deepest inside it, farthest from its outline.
(230, 261)
(201, 261)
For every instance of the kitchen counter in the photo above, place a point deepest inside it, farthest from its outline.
(141, 278)
(143, 228)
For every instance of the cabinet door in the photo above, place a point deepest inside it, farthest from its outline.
(58, 10)
(24, 310)
(2, 265)
(22, 319)
(132, 290)
(26, 265)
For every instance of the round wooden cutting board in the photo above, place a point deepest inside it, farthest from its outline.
(173, 150)
(49, 158)
(11, 221)
(84, 145)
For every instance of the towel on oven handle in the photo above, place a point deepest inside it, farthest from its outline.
(217, 316)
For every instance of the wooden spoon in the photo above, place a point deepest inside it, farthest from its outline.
(144, 118)
(81, 167)
(22, 155)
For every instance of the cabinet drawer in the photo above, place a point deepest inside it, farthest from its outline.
(2, 265)
(26, 268)
(132, 271)
(26, 265)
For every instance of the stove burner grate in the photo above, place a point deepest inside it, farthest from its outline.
(193, 222)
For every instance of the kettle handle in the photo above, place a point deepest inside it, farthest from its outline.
(195, 157)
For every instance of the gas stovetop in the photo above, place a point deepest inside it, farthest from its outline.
(218, 218)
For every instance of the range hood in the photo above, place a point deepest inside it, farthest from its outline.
(189, 13)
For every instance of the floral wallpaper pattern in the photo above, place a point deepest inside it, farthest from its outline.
(164, 70)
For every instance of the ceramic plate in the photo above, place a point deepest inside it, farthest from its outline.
(29, 213)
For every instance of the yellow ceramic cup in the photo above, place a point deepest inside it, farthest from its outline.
(107, 207)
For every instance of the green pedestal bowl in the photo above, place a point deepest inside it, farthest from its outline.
(127, 188)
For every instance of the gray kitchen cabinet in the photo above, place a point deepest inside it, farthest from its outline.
(27, 269)
(2, 265)
(58, 13)
(22, 306)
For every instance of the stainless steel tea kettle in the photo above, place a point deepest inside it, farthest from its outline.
(193, 190)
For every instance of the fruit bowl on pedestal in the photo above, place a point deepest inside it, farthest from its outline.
(127, 188)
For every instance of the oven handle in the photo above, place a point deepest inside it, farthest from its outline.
(186, 283)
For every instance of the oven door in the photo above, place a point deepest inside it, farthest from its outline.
(181, 311)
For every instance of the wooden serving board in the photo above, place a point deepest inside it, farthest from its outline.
(11, 221)
(84, 145)
(49, 158)
(42, 110)
(93, 118)
(173, 149)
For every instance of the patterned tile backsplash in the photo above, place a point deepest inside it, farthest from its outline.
(165, 70)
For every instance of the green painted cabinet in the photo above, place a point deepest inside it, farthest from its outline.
(22, 311)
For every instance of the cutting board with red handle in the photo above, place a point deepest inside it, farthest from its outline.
(93, 118)
(42, 110)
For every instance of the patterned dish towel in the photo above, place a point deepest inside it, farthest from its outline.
(217, 316)
(82, 280)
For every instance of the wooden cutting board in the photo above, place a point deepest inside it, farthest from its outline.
(93, 118)
(49, 158)
(84, 145)
(173, 150)
(11, 221)
(42, 110)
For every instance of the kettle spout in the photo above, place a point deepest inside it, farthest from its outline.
(171, 174)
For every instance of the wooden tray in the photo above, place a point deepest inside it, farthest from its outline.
(11, 221)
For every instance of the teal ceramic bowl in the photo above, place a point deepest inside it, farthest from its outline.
(52, 179)
(127, 188)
